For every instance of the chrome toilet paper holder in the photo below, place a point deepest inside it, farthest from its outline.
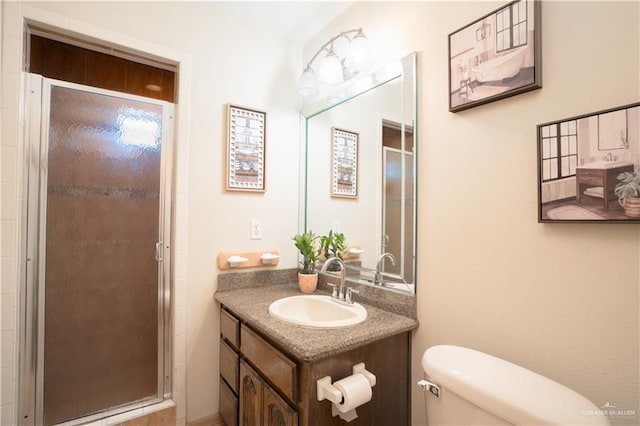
(325, 390)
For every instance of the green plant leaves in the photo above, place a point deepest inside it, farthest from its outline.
(629, 185)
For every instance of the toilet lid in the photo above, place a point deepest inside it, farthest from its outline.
(507, 390)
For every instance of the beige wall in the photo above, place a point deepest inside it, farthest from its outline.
(561, 299)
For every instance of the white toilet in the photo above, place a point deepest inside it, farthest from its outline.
(467, 387)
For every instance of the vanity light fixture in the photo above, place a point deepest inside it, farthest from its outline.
(335, 69)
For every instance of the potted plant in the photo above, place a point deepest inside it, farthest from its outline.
(333, 245)
(628, 193)
(307, 245)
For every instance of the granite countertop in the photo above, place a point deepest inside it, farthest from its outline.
(251, 305)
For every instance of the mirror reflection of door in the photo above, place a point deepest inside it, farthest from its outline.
(397, 199)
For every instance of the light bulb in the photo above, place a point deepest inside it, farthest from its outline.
(308, 85)
(359, 48)
(330, 71)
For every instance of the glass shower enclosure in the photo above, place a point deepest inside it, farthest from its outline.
(96, 299)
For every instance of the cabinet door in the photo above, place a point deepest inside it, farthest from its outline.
(250, 397)
(275, 411)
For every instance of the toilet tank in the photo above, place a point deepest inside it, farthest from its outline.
(478, 388)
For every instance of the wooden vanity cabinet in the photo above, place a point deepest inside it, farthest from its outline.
(595, 177)
(262, 386)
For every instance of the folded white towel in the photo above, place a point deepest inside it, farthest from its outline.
(595, 191)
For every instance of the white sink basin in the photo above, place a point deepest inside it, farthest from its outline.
(604, 164)
(317, 311)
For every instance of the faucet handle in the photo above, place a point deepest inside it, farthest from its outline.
(334, 290)
(349, 295)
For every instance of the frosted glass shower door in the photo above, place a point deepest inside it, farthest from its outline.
(398, 212)
(103, 216)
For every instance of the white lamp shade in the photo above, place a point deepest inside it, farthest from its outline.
(330, 70)
(359, 49)
(308, 85)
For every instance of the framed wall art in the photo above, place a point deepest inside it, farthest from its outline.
(246, 149)
(344, 163)
(496, 56)
(589, 167)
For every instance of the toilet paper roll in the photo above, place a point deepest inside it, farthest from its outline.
(355, 390)
(347, 417)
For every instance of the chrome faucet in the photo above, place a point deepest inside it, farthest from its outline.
(609, 157)
(377, 278)
(341, 294)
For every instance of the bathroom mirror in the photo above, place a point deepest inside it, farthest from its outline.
(366, 140)
(612, 130)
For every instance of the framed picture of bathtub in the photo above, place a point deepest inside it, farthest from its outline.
(589, 167)
(496, 56)
(344, 163)
(246, 149)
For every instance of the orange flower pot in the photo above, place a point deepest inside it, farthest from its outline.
(308, 282)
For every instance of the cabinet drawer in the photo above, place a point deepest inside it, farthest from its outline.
(230, 328)
(229, 365)
(591, 180)
(228, 405)
(589, 176)
(275, 366)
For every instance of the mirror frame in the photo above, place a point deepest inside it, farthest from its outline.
(409, 63)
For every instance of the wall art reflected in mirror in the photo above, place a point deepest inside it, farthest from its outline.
(589, 167)
(375, 207)
(344, 163)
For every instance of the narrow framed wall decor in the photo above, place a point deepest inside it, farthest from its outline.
(246, 149)
(589, 167)
(496, 56)
(344, 163)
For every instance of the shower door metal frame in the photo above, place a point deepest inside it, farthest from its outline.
(385, 236)
(33, 247)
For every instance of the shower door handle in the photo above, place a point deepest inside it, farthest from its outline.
(159, 251)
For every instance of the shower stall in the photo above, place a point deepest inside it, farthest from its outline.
(398, 195)
(96, 292)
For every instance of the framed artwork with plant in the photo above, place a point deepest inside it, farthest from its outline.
(589, 167)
